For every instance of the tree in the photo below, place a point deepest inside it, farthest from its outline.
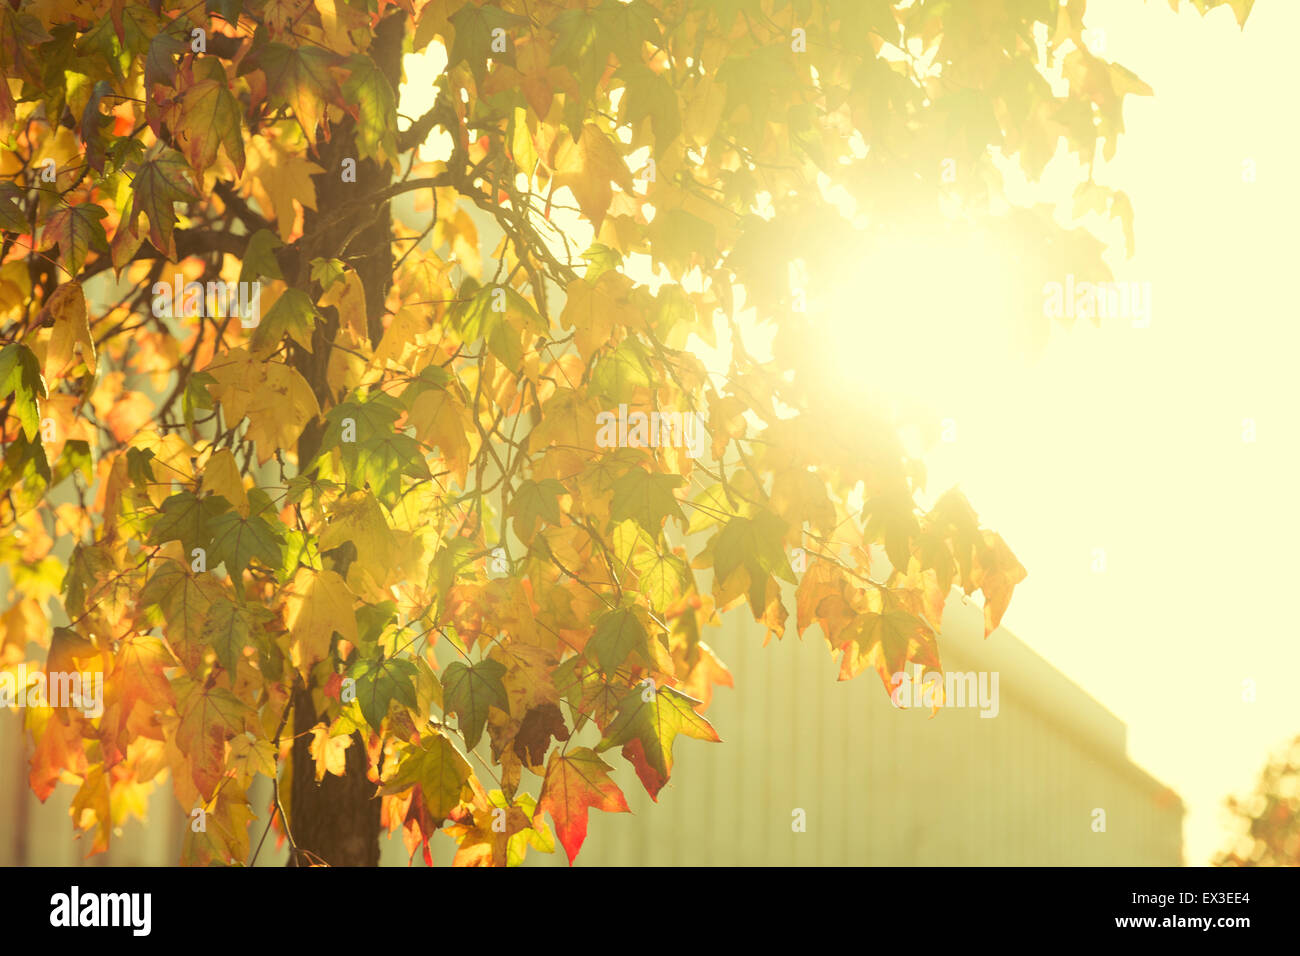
(266, 446)
(1268, 821)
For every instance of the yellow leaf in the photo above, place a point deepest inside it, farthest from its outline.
(330, 753)
(587, 167)
(359, 518)
(66, 311)
(279, 179)
(317, 604)
(221, 475)
(349, 297)
(441, 420)
(280, 410)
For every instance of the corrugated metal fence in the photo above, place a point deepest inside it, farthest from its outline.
(877, 785)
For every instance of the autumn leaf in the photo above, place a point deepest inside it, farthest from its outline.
(380, 683)
(655, 723)
(77, 230)
(575, 782)
(316, 605)
(646, 498)
(438, 769)
(160, 181)
(469, 691)
(329, 753)
(209, 119)
(20, 377)
(209, 717)
(370, 96)
(588, 167)
(230, 626)
(300, 78)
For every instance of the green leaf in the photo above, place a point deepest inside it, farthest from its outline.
(300, 78)
(756, 543)
(470, 691)
(186, 518)
(620, 372)
(656, 723)
(648, 94)
(259, 258)
(236, 540)
(647, 498)
(580, 46)
(368, 91)
(439, 770)
(618, 634)
(159, 65)
(662, 578)
(600, 259)
(472, 44)
(326, 272)
(20, 376)
(379, 683)
(84, 568)
(294, 315)
(159, 181)
(533, 501)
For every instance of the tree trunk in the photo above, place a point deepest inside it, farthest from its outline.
(337, 820)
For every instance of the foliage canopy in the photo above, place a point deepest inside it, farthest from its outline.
(232, 521)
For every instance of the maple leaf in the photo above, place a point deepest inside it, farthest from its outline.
(380, 683)
(329, 753)
(300, 78)
(370, 98)
(280, 178)
(359, 518)
(20, 376)
(221, 475)
(647, 498)
(437, 767)
(76, 230)
(469, 691)
(183, 597)
(292, 314)
(209, 717)
(533, 738)
(887, 635)
(316, 605)
(655, 724)
(230, 627)
(237, 539)
(588, 167)
(66, 312)
(209, 119)
(186, 518)
(996, 574)
(619, 633)
(159, 181)
(575, 782)
(441, 421)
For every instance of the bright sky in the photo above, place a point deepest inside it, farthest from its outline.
(1131, 439)
(1126, 445)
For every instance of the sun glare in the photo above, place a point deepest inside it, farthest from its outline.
(918, 318)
